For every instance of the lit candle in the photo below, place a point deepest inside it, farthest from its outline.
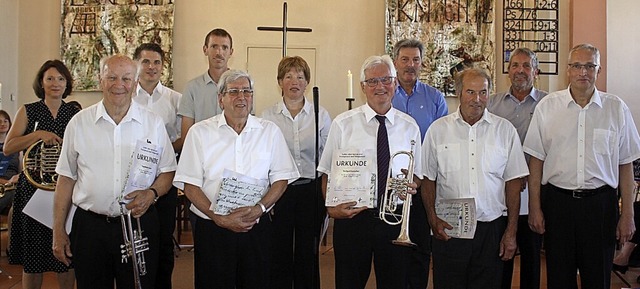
(349, 85)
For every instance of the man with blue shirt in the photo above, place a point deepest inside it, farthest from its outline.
(425, 104)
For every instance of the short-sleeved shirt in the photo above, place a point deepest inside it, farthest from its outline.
(200, 99)
(164, 102)
(358, 129)
(97, 154)
(582, 147)
(211, 146)
(299, 133)
(473, 160)
(519, 113)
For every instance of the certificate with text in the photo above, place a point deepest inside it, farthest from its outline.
(352, 178)
(144, 167)
(460, 214)
(238, 190)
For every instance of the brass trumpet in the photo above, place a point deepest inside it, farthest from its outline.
(397, 187)
(39, 163)
(134, 245)
(6, 187)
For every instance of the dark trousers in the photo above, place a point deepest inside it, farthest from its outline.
(227, 260)
(297, 221)
(365, 237)
(420, 257)
(470, 263)
(95, 244)
(580, 234)
(166, 206)
(529, 244)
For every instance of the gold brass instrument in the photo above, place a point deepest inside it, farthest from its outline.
(39, 163)
(134, 245)
(6, 187)
(397, 187)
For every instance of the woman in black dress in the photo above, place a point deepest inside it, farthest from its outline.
(43, 120)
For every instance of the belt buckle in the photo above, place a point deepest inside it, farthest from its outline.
(579, 192)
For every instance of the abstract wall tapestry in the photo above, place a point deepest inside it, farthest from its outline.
(93, 29)
(456, 34)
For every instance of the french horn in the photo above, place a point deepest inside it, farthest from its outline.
(39, 165)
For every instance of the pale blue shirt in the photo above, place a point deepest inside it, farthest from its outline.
(200, 99)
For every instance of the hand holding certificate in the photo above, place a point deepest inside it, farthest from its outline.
(238, 190)
(460, 214)
(352, 179)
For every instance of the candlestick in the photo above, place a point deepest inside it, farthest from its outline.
(349, 85)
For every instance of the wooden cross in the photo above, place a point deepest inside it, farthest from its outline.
(284, 29)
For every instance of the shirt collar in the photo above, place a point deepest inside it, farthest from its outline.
(132, 114)
(252, 122)
(595, 97)
(413, 90)
(306, 108)
(485, 117)
(369, 113)
(155, 94)
(533, 94)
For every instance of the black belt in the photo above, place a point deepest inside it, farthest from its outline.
(302, 181)
(583, 193)
(106, 218)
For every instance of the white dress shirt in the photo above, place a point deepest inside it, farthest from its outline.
(358, 129)
(473, 161)
(299, 133)
(164, 102)
(582, 147)
(97, 154)
(211, 146)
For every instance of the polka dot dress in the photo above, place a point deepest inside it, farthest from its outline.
(30, 240)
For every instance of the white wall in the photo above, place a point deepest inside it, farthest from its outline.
(8, 52)
(624, 53)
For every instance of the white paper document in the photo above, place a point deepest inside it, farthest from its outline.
(144, 167)
(460, 214)
(40, 208)
(352, 178)
(238, 190)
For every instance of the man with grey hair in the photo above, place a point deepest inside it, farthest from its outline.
(475, 154)
(582, 143)
(359, 235)
(517, 105)
(232, 246)
(425, 104)
(94, 172)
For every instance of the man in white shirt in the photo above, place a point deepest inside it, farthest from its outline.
(94, 167)
(232, 250)
(472, 153)
(359, 235)
(582, 144)
(163, 101)
(517, 106)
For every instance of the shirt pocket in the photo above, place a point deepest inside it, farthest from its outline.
(260, 164)
(448, 157)
(603, 141)
(494, 160)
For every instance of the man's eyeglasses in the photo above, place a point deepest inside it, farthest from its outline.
(373, 82)
(237, 92)
(579, 67)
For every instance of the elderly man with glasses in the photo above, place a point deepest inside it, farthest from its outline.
(233, 168)
(582, 144)
(374, 131)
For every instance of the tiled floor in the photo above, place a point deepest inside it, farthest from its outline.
(10, 278)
